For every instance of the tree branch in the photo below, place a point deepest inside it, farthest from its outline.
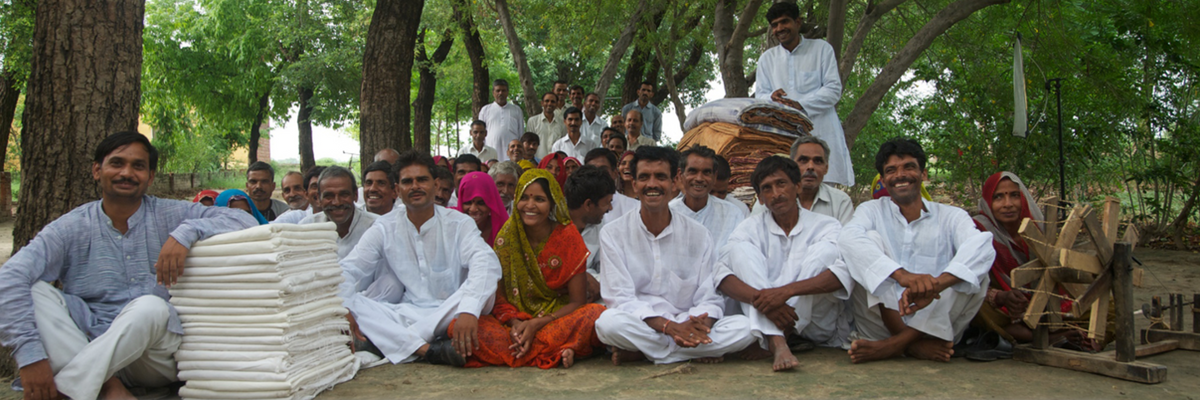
(872, 15)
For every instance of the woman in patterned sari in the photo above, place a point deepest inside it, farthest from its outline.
(541, 317)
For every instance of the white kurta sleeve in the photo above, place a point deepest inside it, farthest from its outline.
(742, 249)
(973, 251)
(483, 269)
(617, 287)
(359, 267)
(864, 258)
(824, 100)
(762, 77)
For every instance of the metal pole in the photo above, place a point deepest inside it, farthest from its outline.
(1062, 166)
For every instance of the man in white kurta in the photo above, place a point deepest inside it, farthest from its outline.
(805, 71)
(696, 179)
(338, 193)
(656, 278)
(442, 268)
(548, 126)
(593, 123)
(505, 121)
(784, 269)
(811, 154)
(921, 266)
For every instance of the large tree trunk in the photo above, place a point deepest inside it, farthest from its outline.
(387, 75)
(304, 125)
(635, 73)
(9, 94)
(427, 88)
(730, 41)
(256, 127)
(836, 26)
(894, 69)
(532, 105)
(481, 87)
(84, 84)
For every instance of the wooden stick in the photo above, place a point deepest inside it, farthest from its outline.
(1050, 210)
(1098, 323)
(1103, 284)
(1027, 273)
(1111, 218)
(1123, 297)
(1104, 248)
(1196, 313)
(1080, 261)
(1037, 305)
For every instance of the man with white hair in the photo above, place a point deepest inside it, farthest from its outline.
(812, 155)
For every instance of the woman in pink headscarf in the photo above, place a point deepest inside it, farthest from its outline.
(571, 164)
(480, 200)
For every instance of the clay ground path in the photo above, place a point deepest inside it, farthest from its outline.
(824, 373)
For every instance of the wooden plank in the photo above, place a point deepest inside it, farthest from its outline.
(1187, 340)
(1148, 349)
(1111, 219)
(1137, 371)
(1050, 211)
(1138, 274)
(1122, 284)
(1080, 261)
(1104, 248)
(1131, 236)
(1036, 240)
(1026, 273)
(1098, 322)
(1037, 305)
(1103, 284)
(1074, 289)
(1070, 229)
(1067, 275)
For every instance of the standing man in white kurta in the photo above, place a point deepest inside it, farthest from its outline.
(806, 71)
(548, 126)
(921, 267)
(443, 269)
(656, 277)
(699, 174)
(784, 268)
(505, 121)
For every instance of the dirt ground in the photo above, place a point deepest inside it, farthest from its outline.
(824, 373)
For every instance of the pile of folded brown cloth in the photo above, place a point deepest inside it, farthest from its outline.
(770, 115)
(743, 147)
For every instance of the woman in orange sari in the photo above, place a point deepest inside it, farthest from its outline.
(541, 317)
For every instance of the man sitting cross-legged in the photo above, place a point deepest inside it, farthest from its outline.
(110, 324)
(656, 277)
(442, 269)
(921, 267)
(784, 268)
(338, 191)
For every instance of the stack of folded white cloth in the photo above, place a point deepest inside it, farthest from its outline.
(261, 316)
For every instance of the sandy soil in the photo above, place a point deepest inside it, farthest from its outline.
(824, 373)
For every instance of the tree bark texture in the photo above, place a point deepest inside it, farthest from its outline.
(532, 105)
(9, 94)
(84, 84)
(387, 74)
(836, 27)
(427, 89)
(304, 125)
(481, 87)
(635, 73)
(730, 40)
(256, 127)
(894, 69)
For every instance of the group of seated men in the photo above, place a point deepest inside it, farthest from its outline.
(682, 274)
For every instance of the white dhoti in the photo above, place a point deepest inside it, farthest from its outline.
(137, 348)
(398, 330)
(627, 332)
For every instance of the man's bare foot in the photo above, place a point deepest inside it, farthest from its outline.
(931, 349)
(113, 389)
(620, 356)
(863, 350)
(784, 360)
(568, 358)
(753, 352)
(711, 360)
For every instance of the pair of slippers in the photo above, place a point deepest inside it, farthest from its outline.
(985, 346)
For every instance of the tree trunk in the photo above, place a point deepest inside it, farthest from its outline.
(532, 105)
(481, 87)
(256, 128)
(895, 68)
(9, 94)
(609, 72)
(84, 84)
(635, 73)
(1177, 227)
(427, 89)
(730, 41)
(836, 27)
(304, 123)
(850, 55)
(387, 71)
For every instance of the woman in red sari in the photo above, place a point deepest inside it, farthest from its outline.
(553, 163)
(541, 317)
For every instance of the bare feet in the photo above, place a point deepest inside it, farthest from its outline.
(711, 360)
(863, 350)
(931, 349)
(753, 352)
(784, 360)
(619, 356)
(568, 358)
(113, 389)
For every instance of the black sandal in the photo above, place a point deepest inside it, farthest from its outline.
(442, 353)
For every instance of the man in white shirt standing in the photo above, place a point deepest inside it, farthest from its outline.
(573, 144)
(477, 148)
(505, 121)
(806, 71)
(338, 192)
(921, 267)
(699, 173)
(593, 123)
(548, 126)
(650, 115)
(812, 155)
(785, 270)
(443, 271)
(656, 277)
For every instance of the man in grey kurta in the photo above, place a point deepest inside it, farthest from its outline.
(110, 325)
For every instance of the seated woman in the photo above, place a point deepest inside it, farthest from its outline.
(624, 168)
(235, 198)
(206, 197)
(1005, 203)
(480, 200)
(553, 162)
(571, 164)
(541, 317)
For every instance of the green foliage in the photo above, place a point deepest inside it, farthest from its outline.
(16, 37)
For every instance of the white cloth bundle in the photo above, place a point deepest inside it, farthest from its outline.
(261, 316)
